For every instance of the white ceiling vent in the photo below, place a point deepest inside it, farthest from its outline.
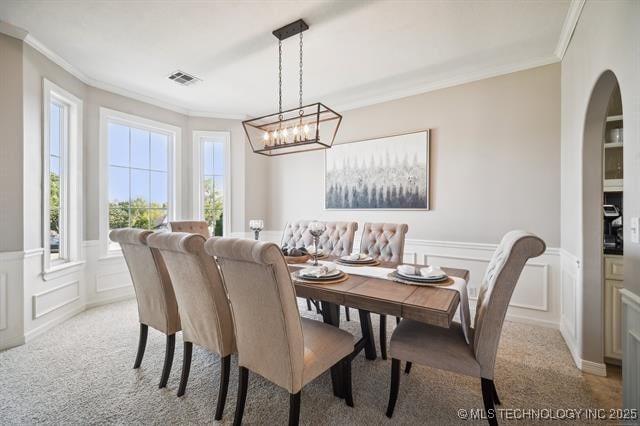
(183, 78)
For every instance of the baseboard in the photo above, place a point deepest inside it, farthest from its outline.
(115, 299)
(30, 335)
(11, 343)
(595, 368)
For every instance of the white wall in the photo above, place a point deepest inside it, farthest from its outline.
(495, 160)
(606, 38)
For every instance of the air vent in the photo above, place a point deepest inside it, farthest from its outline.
(183, 78)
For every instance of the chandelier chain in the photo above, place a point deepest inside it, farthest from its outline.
(280, 77)
(300, 72)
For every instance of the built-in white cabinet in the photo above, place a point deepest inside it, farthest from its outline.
(613, 283)
(612, 156)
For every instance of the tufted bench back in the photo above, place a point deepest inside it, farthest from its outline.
(384, 241)
(336, 240)
(191, 226)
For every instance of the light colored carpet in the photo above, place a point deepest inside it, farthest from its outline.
(81, 373)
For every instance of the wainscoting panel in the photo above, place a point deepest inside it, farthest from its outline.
(570, 303)
(631, 348)
(4, 302)
(55, 298)
(112, 281)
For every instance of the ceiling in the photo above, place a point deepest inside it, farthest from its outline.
(356, 52)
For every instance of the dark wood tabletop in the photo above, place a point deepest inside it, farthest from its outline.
(431, 305)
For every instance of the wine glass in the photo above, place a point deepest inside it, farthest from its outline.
(256, 226)
(316, 229)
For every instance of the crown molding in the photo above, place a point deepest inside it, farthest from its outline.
(12, 30)
(570, 23)
(419, 89)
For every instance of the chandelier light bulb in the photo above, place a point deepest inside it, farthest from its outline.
(266, 136)
(285, 132)
(295, 130)
(306, 129)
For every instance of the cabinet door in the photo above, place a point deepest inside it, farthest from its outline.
(613, 319)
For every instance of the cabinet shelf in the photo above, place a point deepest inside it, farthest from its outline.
(613, 145)
(614, 118)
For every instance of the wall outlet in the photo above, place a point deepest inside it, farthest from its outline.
(635, 230)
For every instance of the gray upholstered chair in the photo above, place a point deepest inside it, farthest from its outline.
(385, 242)
(273, 340)
(447, 349)
(202, 302)
(191, 226)
(157, 307)
(337, 240)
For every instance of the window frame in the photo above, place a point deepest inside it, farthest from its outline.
(174, 167)
(70, 179)
(198, 173)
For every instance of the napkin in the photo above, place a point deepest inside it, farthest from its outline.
(319, 272)
(356, 256)
(407, 269)
(431, 272)
(312, 250)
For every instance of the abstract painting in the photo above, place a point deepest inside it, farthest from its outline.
(384, 173)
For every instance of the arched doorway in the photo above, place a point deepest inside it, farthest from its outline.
(593, 313)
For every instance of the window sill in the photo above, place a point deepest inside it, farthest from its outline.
(62, 270)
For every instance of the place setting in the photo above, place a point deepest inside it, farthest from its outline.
(358, 259)
(326, 273)
(416, 275)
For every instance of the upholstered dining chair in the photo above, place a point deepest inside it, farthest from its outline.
(157, 307)
(191, 226)
(273, 340)
(336, 240)
(446, 348)
(384, 242)
(202, 303)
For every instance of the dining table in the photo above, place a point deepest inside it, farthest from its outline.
(428, 304)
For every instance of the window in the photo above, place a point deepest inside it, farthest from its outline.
(62, 209)
(211, 179)
(140, 173)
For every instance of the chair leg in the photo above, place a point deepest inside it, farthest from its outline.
(397, 320)
(487, 397)
(308, 304)
(168, 360)
(294, 408)
(395, 386)
(186, 367)
(383, 336)
(348, 395)
(225, 367)
(142, 344)
(347, 313)
(407, 368)
(496, 399)
(243, 381)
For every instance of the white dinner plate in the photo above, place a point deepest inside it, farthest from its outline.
(331, 274)
(421, 278)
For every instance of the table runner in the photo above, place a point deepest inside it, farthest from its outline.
(458, 285)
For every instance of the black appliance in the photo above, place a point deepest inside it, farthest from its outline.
(612, 216)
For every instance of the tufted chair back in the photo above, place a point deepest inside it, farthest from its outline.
(337, 239)
(202, 300)
(495, 293)
(157, 306)
(191, 226)
(265, 311)
(384, 241)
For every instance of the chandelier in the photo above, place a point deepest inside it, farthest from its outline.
(305, 128)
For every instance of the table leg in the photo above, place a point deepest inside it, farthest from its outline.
(367, 334)
(331, 315)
